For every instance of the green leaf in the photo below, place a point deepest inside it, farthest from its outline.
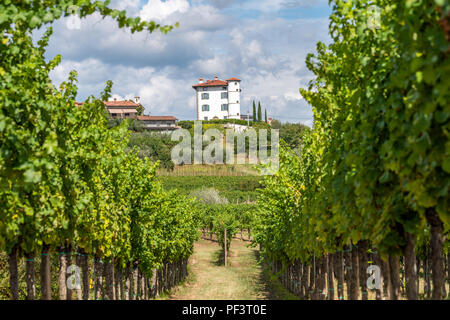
(32, 176)
(446, 164)
(385, 177)
(48, 17)
(34, 21)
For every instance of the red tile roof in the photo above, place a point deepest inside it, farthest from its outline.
(233, 79)
(120, 104)
(211, 83)
(156, 118)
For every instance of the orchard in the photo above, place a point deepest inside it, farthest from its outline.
(69, 193)
(371, 186)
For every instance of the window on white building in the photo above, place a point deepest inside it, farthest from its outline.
(224, 95)
(205, 107)
(225, 117)
(205, 96)
(205, 118)
(224, 107)
(204, 89)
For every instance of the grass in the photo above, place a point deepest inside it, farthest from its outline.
(242, 279)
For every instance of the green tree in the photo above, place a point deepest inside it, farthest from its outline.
(65, 178)
(276, 124)
(254, 119)
(292, 134)
(140, 109)
(259, 112)
(364, 178)
(265, 115)
(135, 125)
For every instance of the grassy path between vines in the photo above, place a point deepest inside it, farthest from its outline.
(243, 278)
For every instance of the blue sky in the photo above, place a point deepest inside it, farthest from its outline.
(262, 42)
(286, 9)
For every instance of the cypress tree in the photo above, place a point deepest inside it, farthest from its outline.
(259, 112)
(254, 112)
(265, 114)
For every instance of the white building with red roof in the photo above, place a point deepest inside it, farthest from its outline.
(218, 99)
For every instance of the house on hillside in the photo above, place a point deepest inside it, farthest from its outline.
(123, 109)
(218, 99)
(128, 110)
(159, 123)
(120, 109)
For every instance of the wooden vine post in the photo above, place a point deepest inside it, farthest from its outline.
(225, 246)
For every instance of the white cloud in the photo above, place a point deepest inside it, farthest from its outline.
(221, 3)
(116, 96)
(161, 92)
(159, 10)
(201, 18)
(131, 6)
(215, 65)
(90, 71)
(292, 96)
(254, 49)
(267, 54)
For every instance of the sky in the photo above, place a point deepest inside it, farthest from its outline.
(262, 42)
